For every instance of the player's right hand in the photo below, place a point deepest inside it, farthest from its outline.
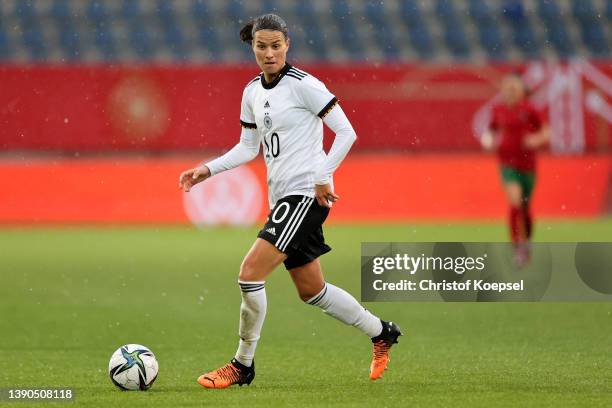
(487, 141)
(191, 177)
(325, 195)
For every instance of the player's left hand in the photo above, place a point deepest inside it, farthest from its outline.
(532, 142)
(191, 177)
(325, 195)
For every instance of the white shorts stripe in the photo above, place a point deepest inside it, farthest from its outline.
(296, 225)
(290, 226)
(293, 215)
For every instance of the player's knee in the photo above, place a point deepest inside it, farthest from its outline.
(306, 296)
(308, 292)
(248, 270)
(525, 201)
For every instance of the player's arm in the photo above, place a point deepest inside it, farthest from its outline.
(317, 98)
(489, 140)
(336, 120)
(537, 139)
(245, 151)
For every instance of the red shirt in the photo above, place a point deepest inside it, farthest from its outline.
(513, 124)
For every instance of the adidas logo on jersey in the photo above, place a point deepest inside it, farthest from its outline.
(267, 104)
(271, 231)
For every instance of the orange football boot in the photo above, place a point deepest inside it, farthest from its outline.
(232, 373)
(381, 346)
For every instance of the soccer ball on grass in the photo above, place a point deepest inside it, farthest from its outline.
(133, 367)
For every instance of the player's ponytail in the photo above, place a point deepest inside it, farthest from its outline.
(263, 22)
(246, 32)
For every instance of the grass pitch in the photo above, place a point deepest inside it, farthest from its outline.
(69, 297)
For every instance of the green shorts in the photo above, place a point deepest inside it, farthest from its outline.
(526, 179)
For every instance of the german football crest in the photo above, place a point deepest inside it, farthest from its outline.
(267, 121)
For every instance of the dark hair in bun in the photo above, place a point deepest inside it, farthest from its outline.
(263, 22)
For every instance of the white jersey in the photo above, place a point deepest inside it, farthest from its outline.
(285, 118)
(287, 115)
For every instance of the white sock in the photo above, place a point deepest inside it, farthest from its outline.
(252, 315)
(340, 304)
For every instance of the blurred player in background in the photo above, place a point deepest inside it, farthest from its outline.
(516, 131)
(283, 110)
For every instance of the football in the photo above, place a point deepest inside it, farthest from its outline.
(133, 367)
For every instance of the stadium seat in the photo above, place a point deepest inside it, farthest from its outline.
(173, 35)
(200, 10)
(524, 37)
(420, 36)
(102, 35)
(454, 34)
(268, 6)
(305, 12)
(608, 10)
(488, 31)
(68, 36)
(5, 47)
(138, 36)
(130, 10)
(583, 10)
(590, 23)
(555, 30)
(549, 11)
(237, 16)
(410, 12)
(207, 35)
(421, 41)
(349, 37)
(141, 43)
(445, 11)
(321, 30)
(96, 11)
(595, 39)
(457, 42)
(375, 13)
(33, 38)
(69, 40)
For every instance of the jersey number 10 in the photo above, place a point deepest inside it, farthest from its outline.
(274, 147)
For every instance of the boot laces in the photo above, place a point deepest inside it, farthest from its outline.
(381, 348)
(229, 373)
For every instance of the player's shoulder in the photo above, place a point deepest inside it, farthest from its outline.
(252, 82)
(296, 73)
(498, 107)
(302, 79)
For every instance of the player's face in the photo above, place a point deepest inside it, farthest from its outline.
(270, 49)
(512, 90)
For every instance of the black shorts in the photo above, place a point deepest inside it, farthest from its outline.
(295, 227)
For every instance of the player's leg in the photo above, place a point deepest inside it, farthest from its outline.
(259, 262)
(513, 188)
(514, 195)
(527, 186)
(338, 303)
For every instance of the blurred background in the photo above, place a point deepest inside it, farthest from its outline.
(104, 102)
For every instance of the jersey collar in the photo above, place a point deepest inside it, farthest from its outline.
(280, 76)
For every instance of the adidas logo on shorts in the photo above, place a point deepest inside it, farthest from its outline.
(271, 231)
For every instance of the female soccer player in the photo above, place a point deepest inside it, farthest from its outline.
(516, 131)
(284, 109)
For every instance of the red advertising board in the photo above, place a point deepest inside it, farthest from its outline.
(372, 187)
(398, 107)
